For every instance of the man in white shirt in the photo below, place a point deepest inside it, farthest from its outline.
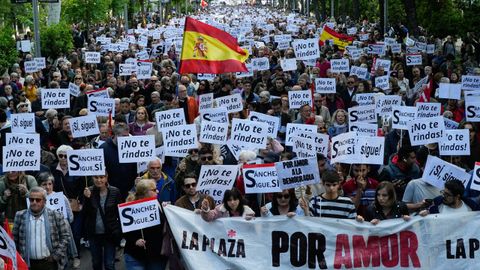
(451, 201)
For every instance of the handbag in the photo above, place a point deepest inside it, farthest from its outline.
(75, 204)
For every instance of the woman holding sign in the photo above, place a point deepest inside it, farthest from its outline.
(233, 206)
(102, 221)
(142, 249)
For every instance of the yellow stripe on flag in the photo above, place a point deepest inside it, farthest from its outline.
(198, 46)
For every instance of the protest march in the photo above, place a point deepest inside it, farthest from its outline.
(241, 136)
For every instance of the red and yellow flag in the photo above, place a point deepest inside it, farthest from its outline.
(207, 49)
(340, 40)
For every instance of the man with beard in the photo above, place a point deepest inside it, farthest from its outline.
(451, 201)
(192, 200)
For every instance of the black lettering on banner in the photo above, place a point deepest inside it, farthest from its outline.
(3, 243)
(127, 216)
(353, 116)
(73, 160)
(250, 178)
(93, 104)
(396, 118)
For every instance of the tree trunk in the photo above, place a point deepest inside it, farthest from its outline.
(356, 9)
(410, 10)
(316, 9)
(382, 15)
(324, 9)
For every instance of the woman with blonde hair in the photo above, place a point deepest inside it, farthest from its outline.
(142, 247)
(339, 123)
(141, 123)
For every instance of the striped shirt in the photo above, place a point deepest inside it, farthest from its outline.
(38, 240)
(341, 207)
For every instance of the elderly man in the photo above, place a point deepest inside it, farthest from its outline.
(165, 185)
(189, 104)
(41, 235)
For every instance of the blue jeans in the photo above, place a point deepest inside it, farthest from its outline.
(154, 264)
(103, 252)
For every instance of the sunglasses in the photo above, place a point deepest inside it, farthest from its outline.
(286, 196)
(78, 78)
(37, 200)
(62, 156)
(350, 82)
(209, 158)
(190, 185)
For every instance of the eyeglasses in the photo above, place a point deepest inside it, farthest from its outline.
(209, 158)
(37, 200)
(283, 196)
(190, 185)
(78, 78)
(62, 156)
(350, 82)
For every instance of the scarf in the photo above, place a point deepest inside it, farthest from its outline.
(46, 221)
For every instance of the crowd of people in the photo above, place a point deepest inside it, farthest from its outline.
(367, 193)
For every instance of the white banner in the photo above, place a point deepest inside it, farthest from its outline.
(304, 147)
(293, 128)
(476, 177)
(288, 64)
(56, 202)
(214, 180)
(92, 57)
(360, 72)
(366, 99)
(134, 149)
(325, 85)
(437, 172)
(364, 129)
(362, 114)
(260, 178)
(260, 64)
(55, 98)
(86, 162)
(343, 148)
(297, 172)
(219, 115)
(297, 98)
(251, 134)
(325, 243)
(8, 248)
(213, 132)
(233, 103)
(83, 126)
(21, 158)
(98, 93)
(23, 122)
(385, 103)
(139, 214)
(375, 49)
(472, 108)
(273, 122)
(321, 140)
(74, 89)
(170, 118)
(182, 137)
(450, 90)
(470, 82)
(382, 82)
(424, 131)
(371, 150)
(205, 101)
(428, 110)
(339, 65)
(101, 106)
(32, 140)
(413, 59)
(455, 142)
(306, 48)
(127, 69)
(144, 69)
(402, 115)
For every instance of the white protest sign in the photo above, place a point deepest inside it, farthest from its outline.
(456, 142)
(304, 147)
(182, 137)
(384, 103)
(86, 162)
(297, 172)
(430, 48)
(206, 77)
(74, 89)
(383, 63)
(233, 103)
(272, 121)
(450, 124)
(159, 152)
(375, 49)
(365, 114)
(472, 108)
(288, 64)
(55, 98)
(283, 45)
(140, 214)
(25, 45)
(355, 53)
(170, 118)
(402, 115)
(351, 31)
(343, 148)
(470, 82)
(127, 69)
(339, 65)
(281, 38)
(321, 141)
(40, 62)
(21, 139)
(100, 106)
(450, 90)
(30, 66)
(134, 149)
(98, 93)
(476, 177)
(56, 202)
(92, 57)
(300, 128)
(426, 130)
(365, 99)
(421, 46)
(144, 69)
(382, 82)
(360, 72)
(84, 126)
(213, 132)
(428, 109)
(206, 101)
(306, 48)
(214, 180)
(251, 134)
(413, 59)
(389, 41)
(246, 74)
(260, 178)
(325, 85)
(371, 150)
(23, 122)
(19, 158)
(396, 48)
(437, 172)
(219, 114)
(364, 129)
(260, 64)
(298, 98)
(8, 248)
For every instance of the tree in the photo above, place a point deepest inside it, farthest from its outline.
(85, 12)
(8, 49)
(55, 40)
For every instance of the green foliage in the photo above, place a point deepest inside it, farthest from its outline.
(85, 12)
(8, 49)
(55, 40)
(117, 6)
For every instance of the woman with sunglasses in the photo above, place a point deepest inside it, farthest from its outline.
(142, 250)
(283, 203)
(233, 205)
(385, 206)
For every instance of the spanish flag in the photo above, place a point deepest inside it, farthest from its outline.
(338, 39)
(207, 49)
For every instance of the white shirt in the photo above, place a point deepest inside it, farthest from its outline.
(38, 241)
(444, 209)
